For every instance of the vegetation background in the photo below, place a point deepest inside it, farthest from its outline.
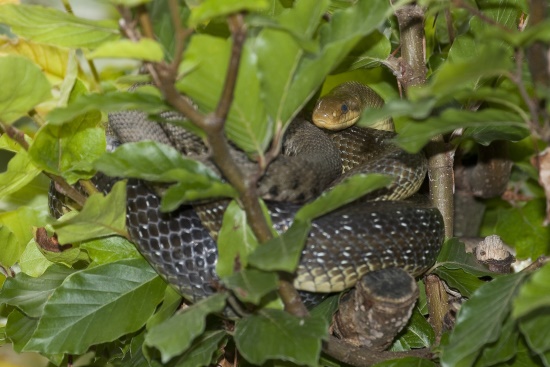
(485, 79)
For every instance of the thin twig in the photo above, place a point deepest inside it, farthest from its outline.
(464, 5)
(180, 34)
(238, 30)
(531, 104)
(537, 264)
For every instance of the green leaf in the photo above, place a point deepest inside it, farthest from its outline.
(487, 60)
(279, 55)
(32, 261)
(12, 249)
(346, 192)
(175, 335)
(204, 69)
(152, 161)
(108, 102)
(250, 285)
(406, 362)
(23, 86)
(34, 195)
(534, 294)
(506, 13)
(489, 306)
(283, 252)
(275, 334)
(144, 49)
(533, 33)
(369, 52)
(414, 136)
(163, 27)
(125, 292)
(460, 280)
(20, 172)
(204, 351)
(504, 348)
(54, 27)
(337, 38)
(19, 329)
(30, 294)
(327, 308)
(210, 9)
(185, 192)
(171, 302)
(536, 329)
(418, 334)
(67, 257)
(70, 149)
(101, 216)
(485, 135)
(109, 249)
(20, 223)
(522, 226)
(397, 108)
(453, 255)
(235, 241)
(130, 3)
(138, 354)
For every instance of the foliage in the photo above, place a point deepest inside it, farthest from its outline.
(106, 299)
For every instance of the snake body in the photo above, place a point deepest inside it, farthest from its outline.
(341, 247)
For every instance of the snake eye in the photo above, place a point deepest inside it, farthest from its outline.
(344, 108)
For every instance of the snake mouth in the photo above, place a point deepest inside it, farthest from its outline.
(331, 122)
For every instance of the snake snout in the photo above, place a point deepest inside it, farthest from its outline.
(323, 117)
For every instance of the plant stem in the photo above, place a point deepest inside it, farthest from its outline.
(440, 154)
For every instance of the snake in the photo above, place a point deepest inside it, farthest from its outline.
(382, 230)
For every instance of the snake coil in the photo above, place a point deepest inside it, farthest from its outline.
(341, 247)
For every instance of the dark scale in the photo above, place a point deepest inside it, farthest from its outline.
(187, 255)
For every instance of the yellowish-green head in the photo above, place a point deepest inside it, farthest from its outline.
(343, 105)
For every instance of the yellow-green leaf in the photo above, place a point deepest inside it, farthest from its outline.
(101, 216)
(145, 49)
(23, 87)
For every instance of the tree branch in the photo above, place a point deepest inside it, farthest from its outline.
(238, 30)
(361, 357)
(440, 154)
(464, 5)
(181, 34)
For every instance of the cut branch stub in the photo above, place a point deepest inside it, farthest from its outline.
(377, 309)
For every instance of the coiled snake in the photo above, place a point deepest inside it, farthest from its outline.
(342, 245)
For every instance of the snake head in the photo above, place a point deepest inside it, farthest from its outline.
(334, 113)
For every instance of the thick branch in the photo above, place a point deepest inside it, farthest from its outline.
(411, 30)
(440, 154)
